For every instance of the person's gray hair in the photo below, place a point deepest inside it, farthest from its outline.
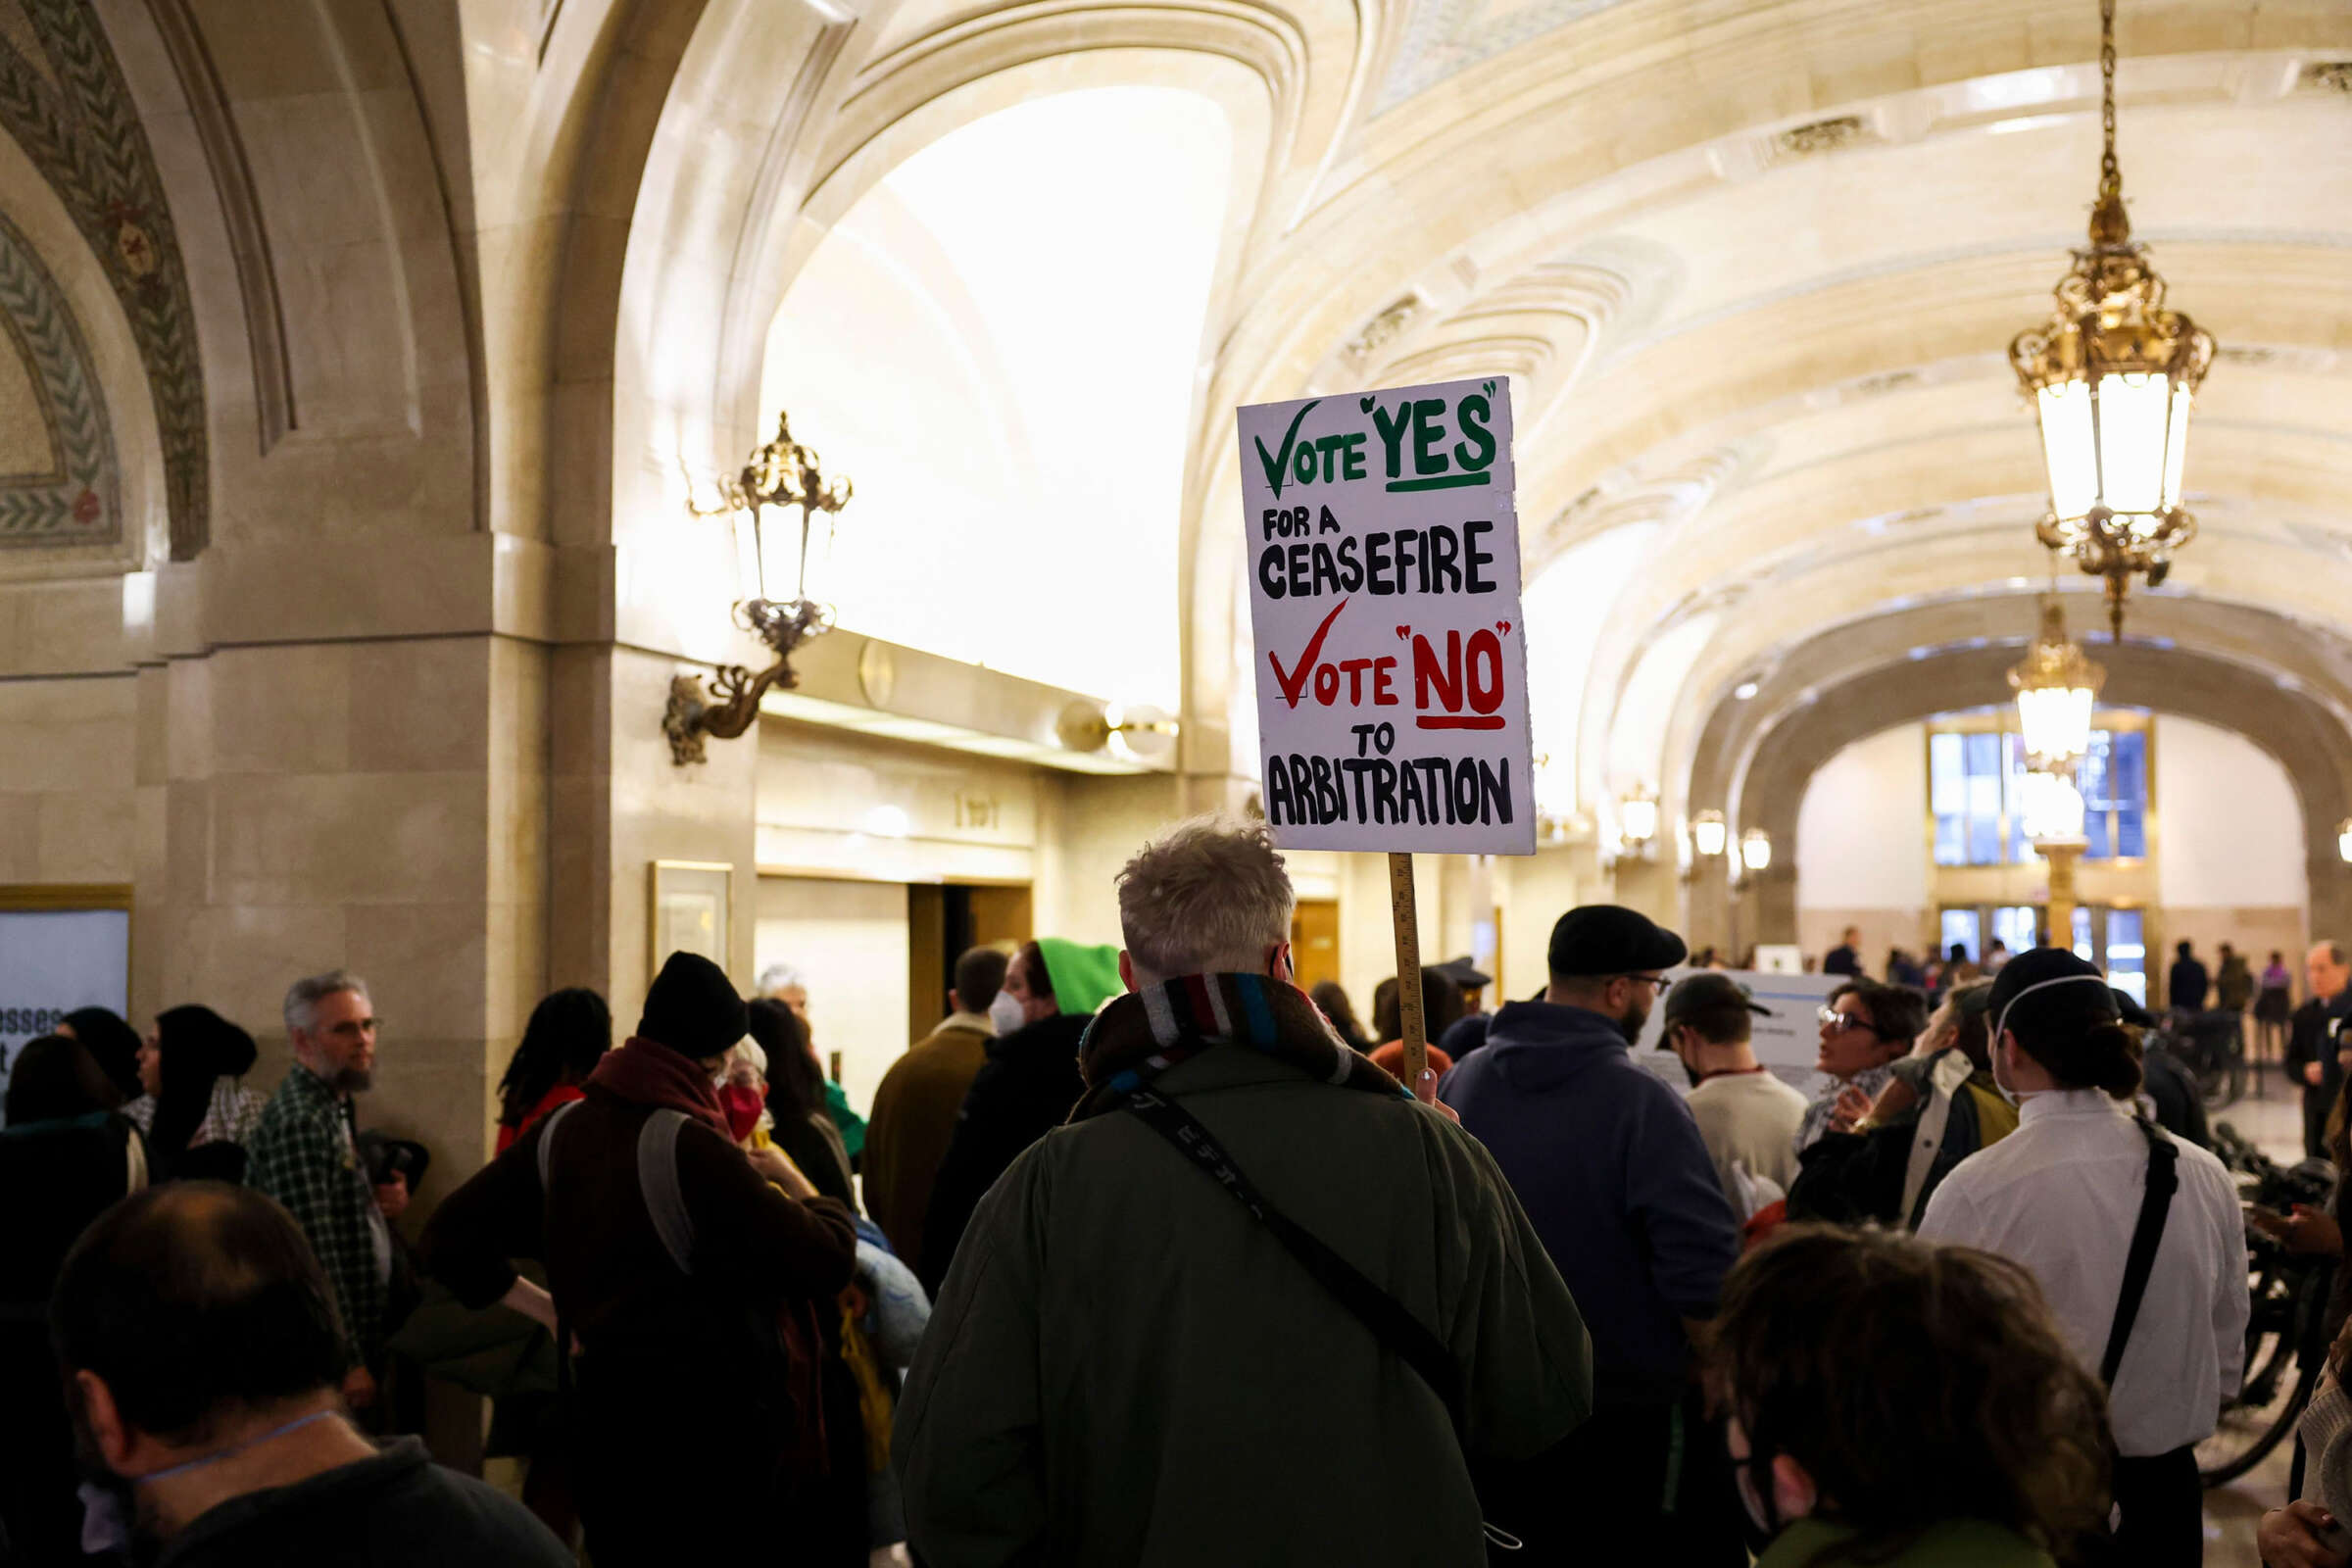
(2335, 953)
(304, 996)
(1206, 897)
(778, 978)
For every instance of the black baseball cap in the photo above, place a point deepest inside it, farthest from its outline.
(1462, 972)
(1600, 939)
(1706, 992)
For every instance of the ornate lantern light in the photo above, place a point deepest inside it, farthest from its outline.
(1709, 835)
(1638, 818)
(1755, 849)
(2111, 375)
(783, 474)
(2343, 840)
(2056, 686)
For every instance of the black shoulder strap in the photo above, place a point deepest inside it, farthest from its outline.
(1381, 1312)
(2154, 1205)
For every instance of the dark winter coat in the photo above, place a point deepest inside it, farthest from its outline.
(1616, 1178)
(1027, 1088)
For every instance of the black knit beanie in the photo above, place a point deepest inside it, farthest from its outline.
(693, 1008)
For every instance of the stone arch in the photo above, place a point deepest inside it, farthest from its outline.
(2305, 734)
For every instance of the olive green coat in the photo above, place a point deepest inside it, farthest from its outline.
(1125, 1368)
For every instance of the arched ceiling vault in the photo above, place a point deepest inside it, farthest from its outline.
(1954, 654)
(2309, 740)
(1750, 266)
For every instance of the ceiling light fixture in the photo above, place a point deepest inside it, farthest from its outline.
(2112, 373)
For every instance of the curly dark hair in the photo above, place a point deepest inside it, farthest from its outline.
(1915, 1384)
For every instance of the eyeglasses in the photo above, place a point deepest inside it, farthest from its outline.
(1832, 1020)
(1656, 982)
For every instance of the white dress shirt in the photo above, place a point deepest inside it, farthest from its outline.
(2061, 1195)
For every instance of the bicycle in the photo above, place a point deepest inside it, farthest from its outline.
(2287, 1343)
(2212, 1045)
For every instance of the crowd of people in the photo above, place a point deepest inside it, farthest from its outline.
(1973, 1302)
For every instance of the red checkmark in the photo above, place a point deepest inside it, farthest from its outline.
(1294, 683)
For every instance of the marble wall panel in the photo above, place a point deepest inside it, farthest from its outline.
(19, 838)
(392, 838)
(242, 957)
(419, 705)
(424, 962)
(89, 836)
(281, 709)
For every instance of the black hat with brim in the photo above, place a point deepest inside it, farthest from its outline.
(1462, 972)
(1603, 938)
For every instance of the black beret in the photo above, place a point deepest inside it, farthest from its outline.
(1608, 939)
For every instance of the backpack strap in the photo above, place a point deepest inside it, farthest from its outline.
(547, 1164)
(658, 1182)
(2163, 1157)
(1390, 1321)
(546, 1147)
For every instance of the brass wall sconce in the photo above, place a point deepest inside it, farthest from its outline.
(782, 473)
(1141, 732)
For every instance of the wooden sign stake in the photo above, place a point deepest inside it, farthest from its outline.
(1408, 969)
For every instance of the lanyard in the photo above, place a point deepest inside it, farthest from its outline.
(202, 1460)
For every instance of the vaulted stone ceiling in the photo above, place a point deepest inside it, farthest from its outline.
(1751, 266)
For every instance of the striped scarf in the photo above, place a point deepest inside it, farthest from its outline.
(1141, 1035)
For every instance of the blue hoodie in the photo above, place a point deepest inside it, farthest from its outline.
(1612, 1171)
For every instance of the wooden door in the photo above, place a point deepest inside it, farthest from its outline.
(1315, 941)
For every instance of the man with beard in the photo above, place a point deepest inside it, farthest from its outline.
(1613, 1172)
(305, 1154)
(201, 1356)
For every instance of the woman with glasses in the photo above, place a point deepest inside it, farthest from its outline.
(1865, 1029)
(1939, 1106)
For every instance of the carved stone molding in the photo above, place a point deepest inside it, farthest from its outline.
(241, 210)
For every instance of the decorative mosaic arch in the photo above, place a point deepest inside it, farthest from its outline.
(73, 115)
(78, 501)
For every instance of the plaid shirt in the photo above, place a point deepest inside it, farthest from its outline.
(301, 1155)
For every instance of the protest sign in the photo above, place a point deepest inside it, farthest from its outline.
(1392, 660)
(1384, 590)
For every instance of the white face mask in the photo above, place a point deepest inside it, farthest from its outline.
(1007, 1012)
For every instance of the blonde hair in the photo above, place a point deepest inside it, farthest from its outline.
(1207, 896)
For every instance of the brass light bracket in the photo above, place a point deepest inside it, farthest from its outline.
(782, 473)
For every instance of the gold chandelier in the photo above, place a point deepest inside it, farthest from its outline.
(2056, 686)
(2111, 375)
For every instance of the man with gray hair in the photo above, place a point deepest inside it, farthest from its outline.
(304, 1155)
(2316, 1046)
(1128, 1366)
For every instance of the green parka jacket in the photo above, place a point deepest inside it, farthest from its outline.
(1124, 1367)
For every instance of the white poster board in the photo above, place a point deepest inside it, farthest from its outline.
(1788, 1040)
(53, 961)
(1384, 591)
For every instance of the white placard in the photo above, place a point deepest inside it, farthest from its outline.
(1384, 590)
(53, 961)
(1788, 1039)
